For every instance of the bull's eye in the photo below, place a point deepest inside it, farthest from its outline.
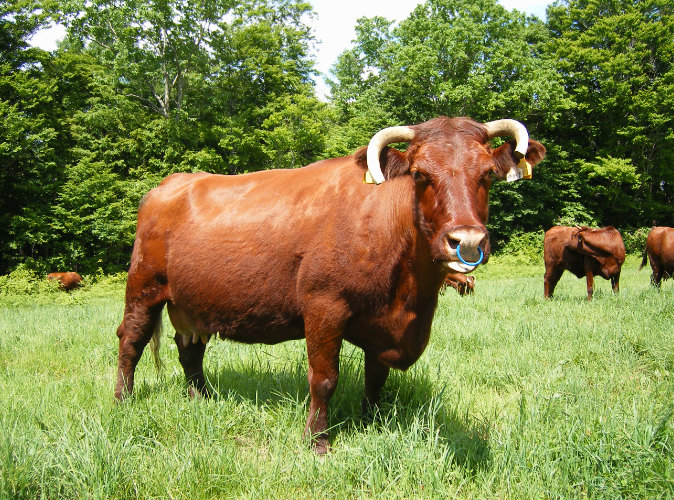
(418, 176)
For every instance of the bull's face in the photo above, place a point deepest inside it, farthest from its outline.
(452, 185)
(605, 248)
(452, 164)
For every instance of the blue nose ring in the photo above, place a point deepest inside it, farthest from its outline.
(479, 261)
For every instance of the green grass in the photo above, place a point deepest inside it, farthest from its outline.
(515, 397)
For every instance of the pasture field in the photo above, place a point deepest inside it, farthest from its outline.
(515, 397)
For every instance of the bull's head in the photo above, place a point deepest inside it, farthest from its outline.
(604, 245)
(451, 163)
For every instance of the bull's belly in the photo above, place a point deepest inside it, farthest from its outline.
(246, 329)
(396, 341)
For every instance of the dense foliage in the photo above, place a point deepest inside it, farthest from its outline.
(138, 90)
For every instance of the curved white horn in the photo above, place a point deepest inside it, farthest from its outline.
(381, 139)
(499, 128)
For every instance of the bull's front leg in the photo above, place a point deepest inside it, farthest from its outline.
(191, 356)
(324, 325)
(590, 284)
(615, 283)
(323, 359)
(376, 374)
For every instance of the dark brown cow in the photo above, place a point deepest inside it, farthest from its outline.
(584, 252)
(321, 253)
(660, 251)
(464, 284)
(67, 281)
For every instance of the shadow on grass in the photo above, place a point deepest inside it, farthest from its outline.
(413, 405)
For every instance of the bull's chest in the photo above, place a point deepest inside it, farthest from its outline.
(398, 339)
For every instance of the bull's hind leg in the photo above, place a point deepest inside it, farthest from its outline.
(135, 332)
(656, 277)
(552, 276)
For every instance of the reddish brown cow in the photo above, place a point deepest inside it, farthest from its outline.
(464, 284)
(67, 281)
(352, 260)
(584, 252)
(660, 251)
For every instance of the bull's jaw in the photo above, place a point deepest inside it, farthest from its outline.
(458, 266)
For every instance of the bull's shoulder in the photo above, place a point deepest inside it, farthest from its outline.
(182, 178)
(559, 232)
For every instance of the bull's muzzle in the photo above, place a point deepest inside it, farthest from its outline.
(465, 247)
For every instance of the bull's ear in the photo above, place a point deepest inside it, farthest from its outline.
(393, 163)
(506, 160)
(590, 243)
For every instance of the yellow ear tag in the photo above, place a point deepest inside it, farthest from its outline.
(367, 178)
(525, 169)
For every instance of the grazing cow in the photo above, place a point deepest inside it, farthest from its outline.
(584, 252)
(67, 281)
(464, 284)
(660, 251)
(353, 258)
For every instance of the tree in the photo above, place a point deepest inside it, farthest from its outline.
(218, 67)
(28, 135)
(615, 58)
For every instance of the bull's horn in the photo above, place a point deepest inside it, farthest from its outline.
(499, 128)
(381, 139)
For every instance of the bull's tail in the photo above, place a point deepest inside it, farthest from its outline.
(155, 342)
(644, 260)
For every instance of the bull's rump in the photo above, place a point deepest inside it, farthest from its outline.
(660, 244)
(242, 255)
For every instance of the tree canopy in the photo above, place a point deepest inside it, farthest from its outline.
(138, 90)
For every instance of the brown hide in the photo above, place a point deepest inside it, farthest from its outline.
(583, 252)
(311, 253)
(462, 283)
(660, 252)
(67, 281)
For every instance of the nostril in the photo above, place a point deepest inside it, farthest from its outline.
(453, 243)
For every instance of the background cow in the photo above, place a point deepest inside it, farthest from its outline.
(464, 284)
(67, 281)
(660, 251)
(584, 252)
(348, 249)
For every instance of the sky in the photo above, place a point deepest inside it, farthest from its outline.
(334, 26)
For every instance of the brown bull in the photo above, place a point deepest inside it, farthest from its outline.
(67, 281)
(464, 284)
(660, 252)
(583, 252)
(352, 260)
